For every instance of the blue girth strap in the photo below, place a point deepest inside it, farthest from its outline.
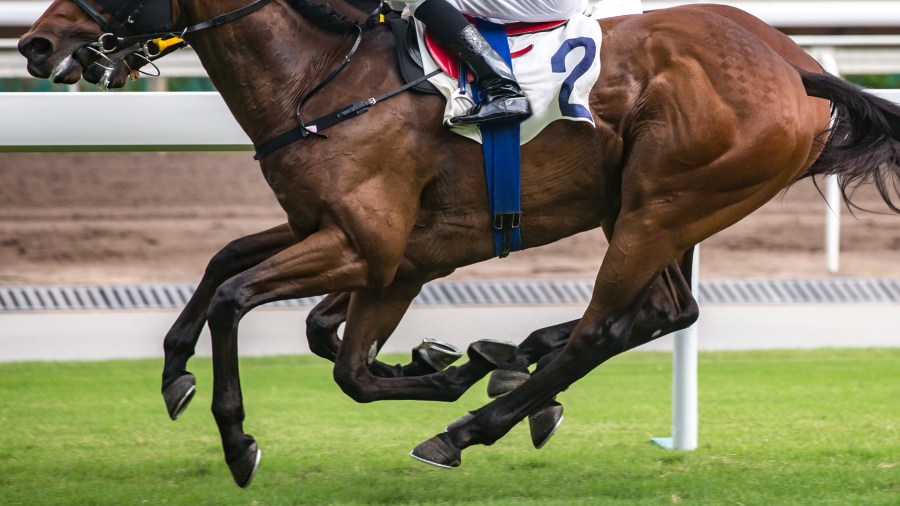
(502, 162)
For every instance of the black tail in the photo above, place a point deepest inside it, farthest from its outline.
(864, 143)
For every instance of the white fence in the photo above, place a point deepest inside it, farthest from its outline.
(131, 122)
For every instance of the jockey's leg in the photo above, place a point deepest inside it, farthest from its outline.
(502, 98)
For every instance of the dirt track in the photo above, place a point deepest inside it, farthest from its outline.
(158, 217)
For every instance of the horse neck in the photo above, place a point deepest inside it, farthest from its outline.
(262, 63)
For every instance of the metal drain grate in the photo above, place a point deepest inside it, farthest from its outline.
(536, 292)
(800, 291)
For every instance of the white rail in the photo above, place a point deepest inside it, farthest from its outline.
(118, 122)
(196, 121)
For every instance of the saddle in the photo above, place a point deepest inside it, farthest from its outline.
(408, 56)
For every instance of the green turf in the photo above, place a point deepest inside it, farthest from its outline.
(797, 427)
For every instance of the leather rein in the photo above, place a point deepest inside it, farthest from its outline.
(127, 14)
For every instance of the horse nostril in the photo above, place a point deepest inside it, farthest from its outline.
(36, 49)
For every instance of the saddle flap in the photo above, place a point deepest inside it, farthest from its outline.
(409, 58)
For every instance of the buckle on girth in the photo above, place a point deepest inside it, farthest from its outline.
(506, 222)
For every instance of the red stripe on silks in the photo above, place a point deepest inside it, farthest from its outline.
(524, 50)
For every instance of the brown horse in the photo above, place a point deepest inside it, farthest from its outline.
(701, 118)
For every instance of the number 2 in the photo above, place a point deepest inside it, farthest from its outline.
(558, 65)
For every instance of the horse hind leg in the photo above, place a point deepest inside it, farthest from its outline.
(669, 307)
(178, 385)
(631, 265)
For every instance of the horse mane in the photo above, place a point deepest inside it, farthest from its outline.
(328, 19)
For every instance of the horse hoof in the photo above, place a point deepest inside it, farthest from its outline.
(543, 424)
(179, 394)
(244, 469)
(460, 421)
(437, 452)
(437, 354)
(494, 351)
(503, 382)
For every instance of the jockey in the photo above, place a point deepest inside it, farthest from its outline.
(502, 98)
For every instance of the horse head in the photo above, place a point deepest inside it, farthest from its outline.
(86, 39)
(57, 41)
(104, 43)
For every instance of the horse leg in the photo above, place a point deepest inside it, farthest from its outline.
(326, 261)
(181, 340)
(322, 325)
(322, 334)
(631, 264)
(669, 307)
(372, 317)
(290, 273)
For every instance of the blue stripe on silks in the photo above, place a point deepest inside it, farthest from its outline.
(502, 163)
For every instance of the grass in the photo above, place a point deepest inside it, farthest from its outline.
(797, 427)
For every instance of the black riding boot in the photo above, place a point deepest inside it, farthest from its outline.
(502, 98)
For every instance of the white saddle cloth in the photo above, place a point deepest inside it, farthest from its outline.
(557, 71)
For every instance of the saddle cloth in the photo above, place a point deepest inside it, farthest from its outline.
(556, 68)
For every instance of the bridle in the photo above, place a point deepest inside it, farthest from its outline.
(148, 20)
(151, 25)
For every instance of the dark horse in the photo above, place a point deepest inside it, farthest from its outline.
(703, 115)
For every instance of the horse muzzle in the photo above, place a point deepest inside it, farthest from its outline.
(46, 62)
(37, 50)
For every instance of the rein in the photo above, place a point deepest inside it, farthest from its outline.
(344, 113)
(128, 13)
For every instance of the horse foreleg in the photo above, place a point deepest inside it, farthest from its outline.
(324, 262)
(322, 335)
(372, 317)
(181, 340)
(322, 325)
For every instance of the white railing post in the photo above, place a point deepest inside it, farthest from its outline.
(833, 224)
(825, 56)
(685, 406)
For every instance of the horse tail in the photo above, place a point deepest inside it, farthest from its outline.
(863, 144)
